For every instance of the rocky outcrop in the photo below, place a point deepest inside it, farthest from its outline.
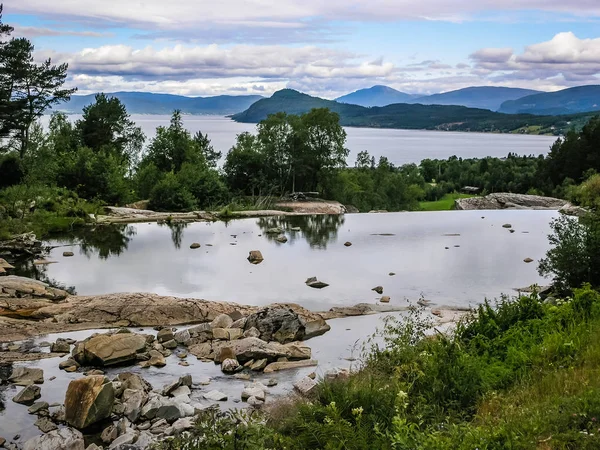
(132, 215)
(509, 201)
(136, 310)
(89, 400)
(110, 349)
(22, 244)
(27, 288)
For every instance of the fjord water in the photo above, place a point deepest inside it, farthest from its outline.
(451, 258)
(399, 146)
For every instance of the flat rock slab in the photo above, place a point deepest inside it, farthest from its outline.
(277, 366)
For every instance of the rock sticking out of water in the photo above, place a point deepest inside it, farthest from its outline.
(316, 284)
(194, 245)
(68, 254)
(378, 289)
(255, 257)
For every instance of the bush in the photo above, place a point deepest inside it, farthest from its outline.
(170, 195)
(12, 171)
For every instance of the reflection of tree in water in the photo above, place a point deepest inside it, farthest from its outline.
(26, 268)
(318, 230)
(176, 232)
(111, 240)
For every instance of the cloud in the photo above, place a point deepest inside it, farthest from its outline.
(565, 56)
(183, 63)
(285, 20)
(31, 32)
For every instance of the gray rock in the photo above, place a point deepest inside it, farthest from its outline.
(315, 284)
(275, 230)
(128, 438)
(215, 396)
(182, 337)
(37, 407)
(133, 401)
(182, 425)
(285, 365)
(306, 386)
(378, 289)
(145, 440)
(257, 390)
(277, 324)
(28, 395)
(172, 344)
(109, 434)
(61, 439)
(221, 321)
(60, 346)
(68, 363)
(151, 407)
(93, 447)
(281, 239)
(110, 349)
(252, 332)
(181, 390)
(24, 376)
(230, 366)
(164, 335)
(255, 402)
(259, 365)
(45, 425)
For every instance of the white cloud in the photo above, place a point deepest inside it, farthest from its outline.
(181, 62)
(565, 55)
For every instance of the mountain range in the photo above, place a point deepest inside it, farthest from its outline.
(412, 116)
(149, 103)
(486, 97)
(572, 100)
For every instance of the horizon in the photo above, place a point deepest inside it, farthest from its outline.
(326, 50)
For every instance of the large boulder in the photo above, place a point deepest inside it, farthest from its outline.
(110, 349)
(62, 439)
(89, 400)
(277, 324)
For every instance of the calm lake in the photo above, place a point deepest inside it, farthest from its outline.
(451, 257)
(399, 146)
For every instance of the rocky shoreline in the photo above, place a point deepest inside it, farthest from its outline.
(124, 215)
(126, 411)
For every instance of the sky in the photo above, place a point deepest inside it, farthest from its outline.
(325, 48)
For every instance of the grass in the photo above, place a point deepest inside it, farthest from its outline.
(446, 203)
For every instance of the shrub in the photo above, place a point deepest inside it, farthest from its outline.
(170, 195)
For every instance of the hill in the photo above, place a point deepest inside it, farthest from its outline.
(376, 96)
(568, 101)
(485, 97)
(148, 103)
(417, 116)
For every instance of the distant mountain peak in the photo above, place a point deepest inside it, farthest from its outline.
(378, 95)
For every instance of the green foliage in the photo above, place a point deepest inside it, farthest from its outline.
(231, 430)
(11, 169)
(446, 203)
(289, 153)
(42, 210)
(170, 195)
(574, 258)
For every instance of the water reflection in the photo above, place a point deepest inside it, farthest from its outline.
(27, 268)
(318, 231)
(107, 241)
(176, 232)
